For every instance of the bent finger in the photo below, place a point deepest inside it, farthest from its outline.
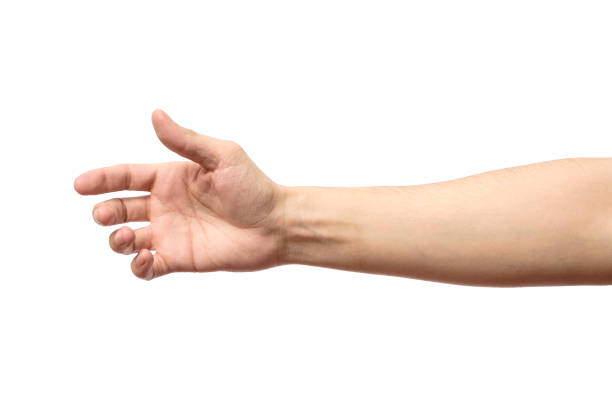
(121, 210)
(127, 241)
(147, 265)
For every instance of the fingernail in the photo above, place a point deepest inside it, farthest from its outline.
(149, 274)
(141, 261)
(94, 213)
(118, 241)
(123, 245)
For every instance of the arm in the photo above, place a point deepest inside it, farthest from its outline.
(542, 224)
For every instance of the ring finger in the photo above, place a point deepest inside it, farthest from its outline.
(127, 241)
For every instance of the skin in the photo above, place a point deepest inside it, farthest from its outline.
(215, 212)
(546, 223)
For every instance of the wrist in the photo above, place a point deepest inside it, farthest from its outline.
(288, 221)
(314, 223)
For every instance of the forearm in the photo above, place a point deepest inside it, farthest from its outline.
(542, 224)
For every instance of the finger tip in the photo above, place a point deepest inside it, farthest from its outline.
(127, 234)
(158, 116)
(142, 265)
(78, 185)
(96, 215)
(121, 240)
(101, 215)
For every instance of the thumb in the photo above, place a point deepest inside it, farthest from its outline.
(189, 144)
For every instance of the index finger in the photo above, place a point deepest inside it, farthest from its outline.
(136, 177)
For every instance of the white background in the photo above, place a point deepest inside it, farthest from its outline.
(318, 93)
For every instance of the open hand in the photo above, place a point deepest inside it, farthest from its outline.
(218, 211)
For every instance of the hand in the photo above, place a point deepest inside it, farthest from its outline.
(218, 211)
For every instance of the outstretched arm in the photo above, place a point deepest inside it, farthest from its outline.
(547, 223)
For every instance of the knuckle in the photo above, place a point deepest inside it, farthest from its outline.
(233, 150)
(120, 209)
(127, 176)
(230, 145)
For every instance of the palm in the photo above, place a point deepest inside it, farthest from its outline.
(197, 228)
(215, 212)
